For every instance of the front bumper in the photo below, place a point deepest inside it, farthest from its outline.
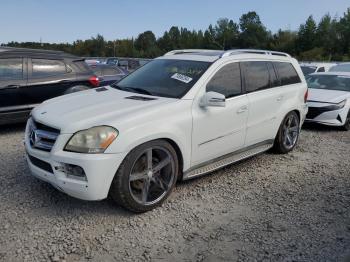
(324, 114)
(99, 169)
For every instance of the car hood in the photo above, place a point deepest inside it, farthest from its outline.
(82, 110)
(329, 96)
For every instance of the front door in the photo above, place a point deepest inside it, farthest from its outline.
(220, 130)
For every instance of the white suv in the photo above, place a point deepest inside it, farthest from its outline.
(180, 116)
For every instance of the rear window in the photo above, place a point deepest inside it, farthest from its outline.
(11, 69)
(45, 67)
(287, 73)
(82, 66)
(111, 71)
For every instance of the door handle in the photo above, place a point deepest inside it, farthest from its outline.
(280, 98)
(10, 87)
(242, 109)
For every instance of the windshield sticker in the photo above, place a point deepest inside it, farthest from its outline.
(181, 78)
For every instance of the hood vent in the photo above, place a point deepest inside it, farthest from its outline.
(101, 89)
(141, 98)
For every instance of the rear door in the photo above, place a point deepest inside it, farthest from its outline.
(13, 79)
(48, 78)
(264, 100)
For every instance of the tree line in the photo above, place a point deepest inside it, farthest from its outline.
(327, 40)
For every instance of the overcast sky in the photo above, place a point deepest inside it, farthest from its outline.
(69, 20)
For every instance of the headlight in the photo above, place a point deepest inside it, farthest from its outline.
(341, 104)
(92, 141)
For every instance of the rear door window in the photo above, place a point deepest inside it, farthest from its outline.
(227, 81)
(256, 74)
(287, 73)
(11, 68)
(45, 68)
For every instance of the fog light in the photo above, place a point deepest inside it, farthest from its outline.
(72, 171)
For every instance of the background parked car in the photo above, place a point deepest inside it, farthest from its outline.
(329, 99)
(342, 67)
(108, 74)
(112, 61)
(309, 68)
(29, 77)
(129, 64)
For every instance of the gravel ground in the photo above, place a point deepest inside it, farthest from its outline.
(293, 207)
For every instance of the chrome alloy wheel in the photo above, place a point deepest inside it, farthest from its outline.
(290, 131)
(152, 175)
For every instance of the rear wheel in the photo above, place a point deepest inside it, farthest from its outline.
(146, 177)
(346, 126)
(288, 134)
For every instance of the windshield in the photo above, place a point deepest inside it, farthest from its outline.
(164, 77)
(308, 69)
(340, 68)
(330, 82)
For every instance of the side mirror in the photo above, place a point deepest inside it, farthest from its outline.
(213, 99)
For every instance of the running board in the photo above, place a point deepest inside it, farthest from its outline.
(227, 160)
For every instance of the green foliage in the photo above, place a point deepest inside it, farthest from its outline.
(327, 40)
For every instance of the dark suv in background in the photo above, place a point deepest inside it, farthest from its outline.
(31, 76)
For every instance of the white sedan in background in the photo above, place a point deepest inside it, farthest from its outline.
(329, 99)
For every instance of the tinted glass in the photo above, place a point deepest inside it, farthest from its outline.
(308, 69)
(111, 71)
(11, 68)
(164, 77)
(340, 68)
(82, 66)
(330, 82)
(256, 75)
(286, 73)
(44, 67)
(321, 69)
(226, 81)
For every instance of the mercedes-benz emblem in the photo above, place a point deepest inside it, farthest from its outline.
(33, 138)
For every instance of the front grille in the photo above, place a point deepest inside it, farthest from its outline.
(41, 164)
(314, 112)
(41, 136)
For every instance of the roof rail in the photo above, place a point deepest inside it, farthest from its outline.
(253, 51)
(20, 49)
(188, 51)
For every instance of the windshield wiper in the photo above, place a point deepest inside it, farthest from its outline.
(133, 89)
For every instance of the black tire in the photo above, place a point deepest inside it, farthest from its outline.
(125, 188)
(287, 136)
(76, 89)
(346, 126)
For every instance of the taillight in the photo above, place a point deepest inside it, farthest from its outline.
(94, 81)
(306, 95)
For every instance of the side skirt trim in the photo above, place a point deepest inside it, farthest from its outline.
(228, 159)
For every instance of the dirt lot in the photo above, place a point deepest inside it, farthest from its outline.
(294, 207)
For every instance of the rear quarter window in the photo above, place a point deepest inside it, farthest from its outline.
(287, 73)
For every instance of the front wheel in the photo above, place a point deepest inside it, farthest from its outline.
(288, 134)
(146, 177)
